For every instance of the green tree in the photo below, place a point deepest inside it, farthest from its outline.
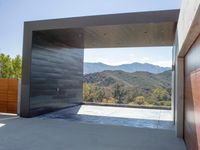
(119, 93)
(99, 94)
(161, 94)
(10, 68)
(139, 100)
(88, 94)
(6, 70)
(17, 67)
(92, 93)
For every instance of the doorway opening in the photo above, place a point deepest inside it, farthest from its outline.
(132, 84)
(125, 87)
(137, 77)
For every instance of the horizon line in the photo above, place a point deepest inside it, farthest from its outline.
(130, 64)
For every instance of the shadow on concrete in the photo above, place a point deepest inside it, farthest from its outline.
(72, 114)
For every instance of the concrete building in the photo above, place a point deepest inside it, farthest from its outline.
(53, 59)
(53, 52)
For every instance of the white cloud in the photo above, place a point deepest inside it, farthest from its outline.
(163, 63)
(145, 58)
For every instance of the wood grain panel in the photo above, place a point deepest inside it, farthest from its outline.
(192, 97)
(4, 84)
(8, 95)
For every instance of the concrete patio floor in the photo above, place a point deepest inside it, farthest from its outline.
(59, 134)
(120, 116)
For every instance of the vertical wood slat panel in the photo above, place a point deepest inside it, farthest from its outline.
(192, 97)
(3, 95)
(8, 95)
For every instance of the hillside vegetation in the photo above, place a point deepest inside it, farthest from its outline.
(137, 88)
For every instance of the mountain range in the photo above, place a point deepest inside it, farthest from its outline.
(99, 67)
(140, 80)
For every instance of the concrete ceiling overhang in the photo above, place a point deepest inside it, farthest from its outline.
(141, 29)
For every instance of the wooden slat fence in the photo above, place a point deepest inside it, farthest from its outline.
(8, 95)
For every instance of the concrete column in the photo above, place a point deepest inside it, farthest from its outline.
(173, 83)
(179, 97)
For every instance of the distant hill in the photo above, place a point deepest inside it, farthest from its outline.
(99, 67)
(139, 80)
(140, 88)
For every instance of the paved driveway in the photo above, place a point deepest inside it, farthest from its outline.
(60, 134)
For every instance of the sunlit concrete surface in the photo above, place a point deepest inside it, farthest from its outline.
(1, 125)
(7, 116)
(59, 134)
(120, 116)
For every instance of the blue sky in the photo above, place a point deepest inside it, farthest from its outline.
(14, 12)
(161, 56)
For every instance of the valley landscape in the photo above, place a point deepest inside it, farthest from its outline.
(129, 84)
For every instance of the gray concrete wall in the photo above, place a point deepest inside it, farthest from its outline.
(188, 27)
(56, 76)
(178, 89)
(179, 97)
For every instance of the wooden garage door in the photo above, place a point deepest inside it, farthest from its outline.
(8, 95)
(192, 97)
